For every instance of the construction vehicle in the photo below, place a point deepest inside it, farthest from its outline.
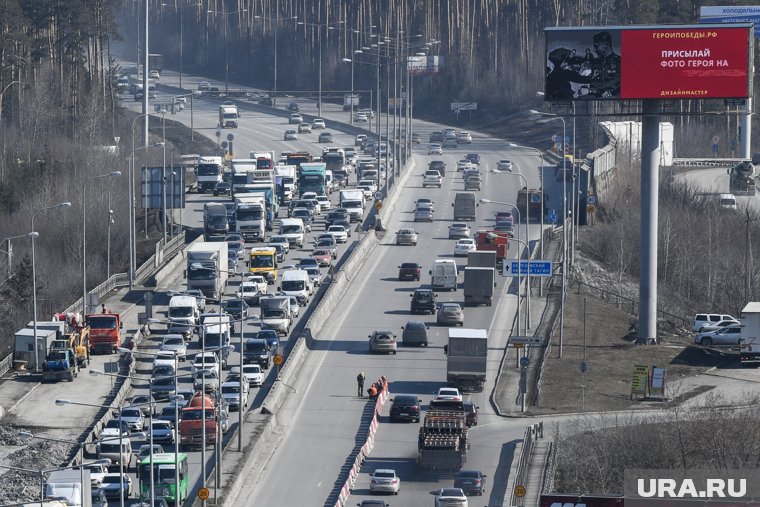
(492, 241)
(532, 202)
(742, 178)
(60, 363)
(105, 332)
(190, 424)
(442, 441)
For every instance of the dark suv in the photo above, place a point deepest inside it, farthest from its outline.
(423, 301)
(257, 352)
(409, 271)
(406, 407)
(473, 157)
(438, 165)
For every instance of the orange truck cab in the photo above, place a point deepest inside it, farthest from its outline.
(190, 425)
(494, 241)
(105, 332)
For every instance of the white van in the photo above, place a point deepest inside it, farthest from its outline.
(293, 229)
(296, 282)
(108, 447)
(728, 201)
(183, 310)
(444, 275)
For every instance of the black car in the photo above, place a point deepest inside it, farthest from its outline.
(293, 107)
(473, 157)
(280, 252)
(271, 337)
(409, 271)
(472, 482)
(438, 165)
(257, 351)
(406, 407)
(222, 188)
(237, 308)
(423, 301)
(415, 333)
(333, 216)
(167, 414)
(436, 137)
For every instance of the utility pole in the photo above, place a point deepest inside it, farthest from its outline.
(749, 289)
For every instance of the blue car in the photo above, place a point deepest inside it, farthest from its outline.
(270, 335)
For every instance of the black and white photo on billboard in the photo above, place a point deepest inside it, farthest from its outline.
(582, 64)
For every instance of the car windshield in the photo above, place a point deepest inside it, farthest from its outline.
(197, 415)
(291, 229)
(409, 265)
(131, 412)
(292, 285)
(101, 322)
(174, 341)
(423, 296)
(451, 492)
(181, 311)
(262, 261)
(231, 389)
(385, 475)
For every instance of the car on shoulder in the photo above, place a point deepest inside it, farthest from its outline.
(318, 123)
(472, 482)
(723, 337)
(423, 301)
(409, 271)
(471, 411)
(704, 319)
(382, 341)
(448, 394)
(473, 157)
(406, 236)
(405, 407)
(304, 128)
(384, 480)
(325, 137)
(459, 230)
(435, 149)
(504, 165)
(713, 326)
(290, 135)
(464, 246)
(414, 333)
(450, 314)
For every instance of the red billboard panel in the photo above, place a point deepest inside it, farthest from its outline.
(649, 62)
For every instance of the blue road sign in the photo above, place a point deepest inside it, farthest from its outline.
(553, 216)
(715, 148)
(537, 268)
(524, 362)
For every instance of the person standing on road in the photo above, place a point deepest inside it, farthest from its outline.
(360, 383)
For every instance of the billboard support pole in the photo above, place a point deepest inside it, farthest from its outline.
(746, 130)
(650, 132)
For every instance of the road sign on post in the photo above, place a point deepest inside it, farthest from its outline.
(537, 268)
(464, 106)
(525, 340)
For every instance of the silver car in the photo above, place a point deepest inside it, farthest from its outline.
(450, 314)
(423, 215)
(459, 231)
(406, 237)
(382, 341)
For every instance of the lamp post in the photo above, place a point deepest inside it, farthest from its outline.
(319, 37)
(132, 208)
(564, 232)
(9, 252)
(351, 60)
(180, 10)
(84, 233)
(276, 23)
(226, 47)
(32, 235)
(163, 175)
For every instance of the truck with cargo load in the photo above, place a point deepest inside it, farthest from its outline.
(479, 285)
(493, 241)
(208, 172)
(105, 332)
(215, 224)
(271, 198)
(287, 182)
(250, 216)
(191, 421)
(481, 259)
(70, 333)
(443, 441)
(207, 268)
(228, 116)
(749, 344)
(297, 158)
(532, 202)
(70, 486)
(353, 201)
(466, 359)
(60, 363)
(275, 314)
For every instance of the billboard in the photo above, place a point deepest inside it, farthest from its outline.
(731, 14)
(648, 62)
(424, 65)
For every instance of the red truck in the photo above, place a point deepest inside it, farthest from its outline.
(105, 332)
(190, 426)
(494, 241)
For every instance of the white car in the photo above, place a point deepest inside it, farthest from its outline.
(725, 336)
(206, 360)
(464, 246)
(464, 164)
(361, 118)
(295, 308)
(714, 326)
(371, 183)
(251, 373)
(324, 202)
(112, 485)
(308, 195)
(504, 165)
(384, 480)
(449, 393)
(134, 417)
(318, 123)
(451, 497)
(174, 343)
(459, 230)
(280, 240)
(154, 74)
(338, 232)
(249, 292)
(235, 398)
(366, 191)
(166, 356)
(296, 118)
(259, 281)
(435, 149)
(432, 179)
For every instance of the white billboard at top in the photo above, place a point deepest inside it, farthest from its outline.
(424, 65)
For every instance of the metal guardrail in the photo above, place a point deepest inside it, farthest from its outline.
(624, 303)
(532, 433)
(118, 280)
(706, 162)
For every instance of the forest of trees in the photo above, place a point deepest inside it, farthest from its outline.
(57, 101)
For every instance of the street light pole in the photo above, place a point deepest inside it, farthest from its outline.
(163, 176)
(84, 234)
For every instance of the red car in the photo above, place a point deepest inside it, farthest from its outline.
(323, 257)
(409, 271)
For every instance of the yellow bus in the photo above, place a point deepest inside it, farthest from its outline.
(263, 261)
